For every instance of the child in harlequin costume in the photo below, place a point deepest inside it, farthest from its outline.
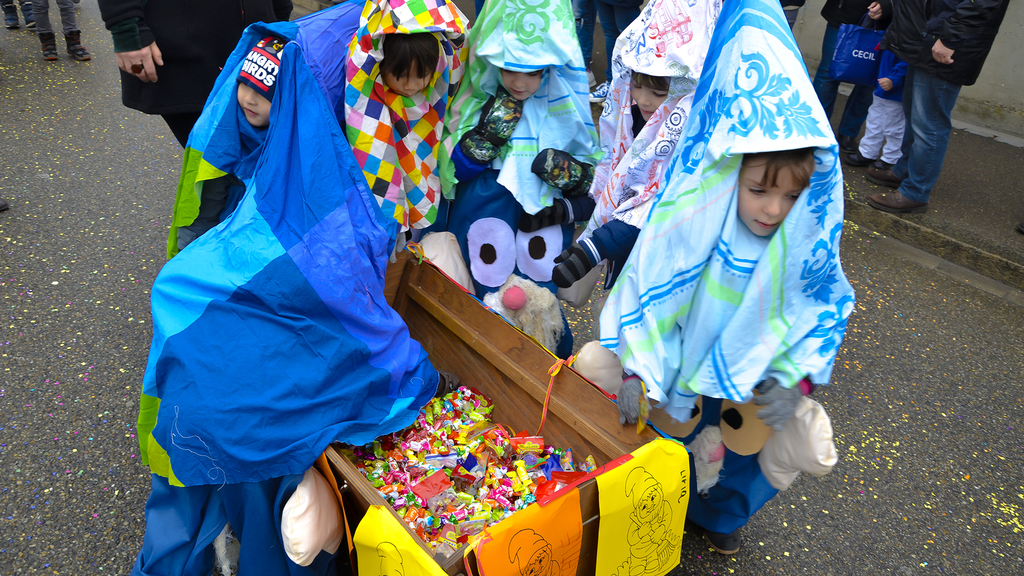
(272, 336)
(726, 315)
(519, 137)
(394, 120)
(655, 68)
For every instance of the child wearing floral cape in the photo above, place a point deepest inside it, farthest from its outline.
(520, 136)
(655, 68)
(733, 303)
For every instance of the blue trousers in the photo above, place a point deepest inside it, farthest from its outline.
(857, 104)
(927, 103)
(182, 523)
(614, 19)
(585, 13)
(741, 490)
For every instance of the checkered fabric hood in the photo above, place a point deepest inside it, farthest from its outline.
(395, 138)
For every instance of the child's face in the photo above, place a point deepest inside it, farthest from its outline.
(409, 84)
(763, 208)
(647, 99)
(256, 107)
(521, 85)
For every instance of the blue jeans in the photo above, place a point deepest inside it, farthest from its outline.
(927, 103)
(585, 14)
(479, 5)
(615, 19)
(859, 101)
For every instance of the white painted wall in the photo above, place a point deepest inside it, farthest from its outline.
(996, 101)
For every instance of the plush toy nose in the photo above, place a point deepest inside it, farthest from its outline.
(514, 298)
(717, 453)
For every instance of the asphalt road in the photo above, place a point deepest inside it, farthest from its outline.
(926, 398)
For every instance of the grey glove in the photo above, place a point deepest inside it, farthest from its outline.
(446, 383)
(554, 214)
(629, 400)
(779, 402)
(571, 265)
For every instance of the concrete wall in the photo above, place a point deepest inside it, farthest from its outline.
(996, 101)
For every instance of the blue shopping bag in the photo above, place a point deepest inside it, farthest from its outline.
(857, 57)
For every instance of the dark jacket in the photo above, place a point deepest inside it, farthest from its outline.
(839, 12)
(195, 38)
(967, 26)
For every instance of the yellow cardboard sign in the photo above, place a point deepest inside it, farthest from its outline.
(385, 548)
(643, 509)
(536, 541)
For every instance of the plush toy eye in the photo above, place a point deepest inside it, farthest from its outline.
(536, 251)
(492, 256)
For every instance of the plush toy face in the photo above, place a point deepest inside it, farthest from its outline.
(485, 219)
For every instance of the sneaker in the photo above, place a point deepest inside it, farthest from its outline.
(591, 81)
(725, 543)
(600, 94)
(4, 205)
(11, 20)
(30, 25)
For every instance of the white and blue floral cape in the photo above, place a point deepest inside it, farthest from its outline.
(703, 306)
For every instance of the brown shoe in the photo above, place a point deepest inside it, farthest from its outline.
(896, 203)
(883, 177)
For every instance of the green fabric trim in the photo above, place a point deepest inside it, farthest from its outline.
(719, 291)
(711, 177)
(126, 35)
(194, 171)
(153, 454)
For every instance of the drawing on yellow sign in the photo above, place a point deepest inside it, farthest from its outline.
(390, 560)
(532, 554)
(643, 509)
(650, 538)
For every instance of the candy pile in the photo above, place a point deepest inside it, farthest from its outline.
(454, 472)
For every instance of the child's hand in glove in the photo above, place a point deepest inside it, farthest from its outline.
(628, 399)
(560, 170)
(554, 214)
(498, 120)
(571, 265)
(779, 402)
(446, 383)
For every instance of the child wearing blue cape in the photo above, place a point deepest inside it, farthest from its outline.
(733, 304)
(272, 337)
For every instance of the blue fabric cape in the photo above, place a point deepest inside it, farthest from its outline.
(272, 337)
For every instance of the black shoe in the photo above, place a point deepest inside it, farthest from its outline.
(1020, 227)
(857, 160)
(882, 165)
(725, 543)
(848, 144)
(4, 205)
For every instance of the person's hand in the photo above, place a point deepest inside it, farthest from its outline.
(885, 84)
(560, 170)
(554, 214)
(447, 382)
(942, 54)
(875, 11)
(779, 402)
(498, 120)
(141, 63)
(571, 265)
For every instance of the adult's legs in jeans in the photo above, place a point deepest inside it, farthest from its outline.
(928, 127)
(181, 125)
(614, 19)
(824, 86)
(585, 13)
(856, 111)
